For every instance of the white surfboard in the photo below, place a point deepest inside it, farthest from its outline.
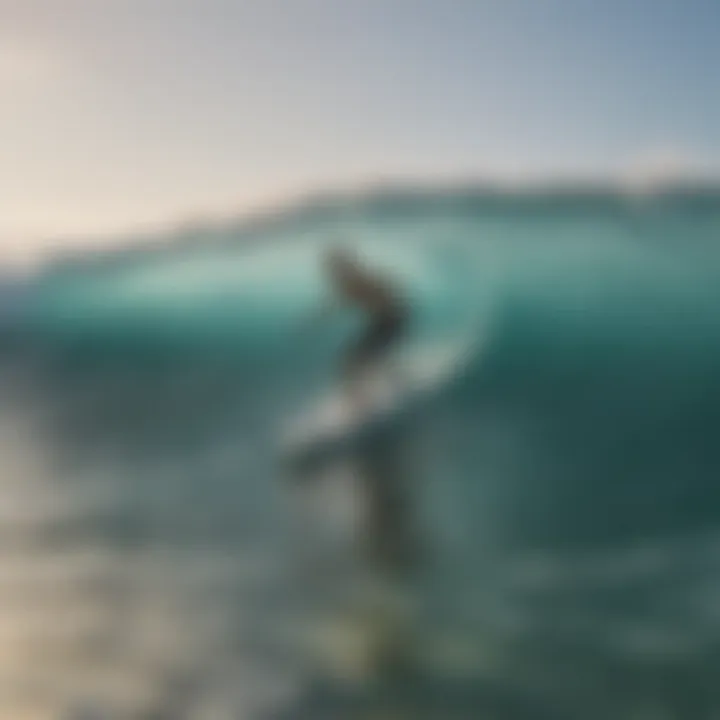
(335, 425)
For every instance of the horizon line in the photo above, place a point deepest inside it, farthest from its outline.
(294, 203)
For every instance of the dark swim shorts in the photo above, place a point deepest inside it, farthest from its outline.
(377, 339)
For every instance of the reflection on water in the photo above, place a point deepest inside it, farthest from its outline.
(153, 565)
(114, 601)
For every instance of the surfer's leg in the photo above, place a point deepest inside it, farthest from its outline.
(374, 344)
(368, 355)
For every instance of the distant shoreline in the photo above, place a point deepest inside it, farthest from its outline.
(388, 198)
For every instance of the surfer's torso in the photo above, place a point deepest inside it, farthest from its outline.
(387, 317)
(374, 296)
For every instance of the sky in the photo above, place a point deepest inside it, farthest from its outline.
(121, 115)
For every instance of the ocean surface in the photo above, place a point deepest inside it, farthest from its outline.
(160, 560)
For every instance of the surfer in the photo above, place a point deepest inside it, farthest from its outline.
(381, 302)
(379, 467)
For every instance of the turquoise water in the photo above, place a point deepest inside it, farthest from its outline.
(159, 560)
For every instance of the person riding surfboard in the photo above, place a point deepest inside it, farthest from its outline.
(389, 525)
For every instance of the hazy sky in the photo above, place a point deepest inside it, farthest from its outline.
(116, 114)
